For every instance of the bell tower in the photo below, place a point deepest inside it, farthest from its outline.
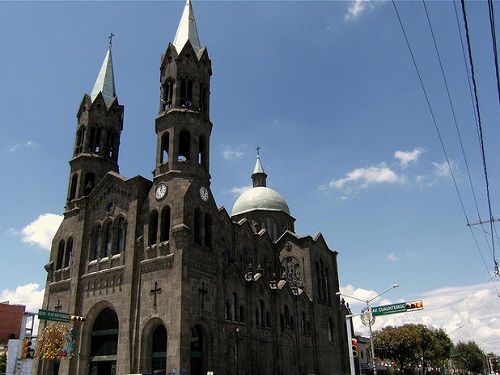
(97, 141)
(183, 125)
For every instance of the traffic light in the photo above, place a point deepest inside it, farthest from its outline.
(414, 305)
(76, 318)
(26, 351)
(354, 345)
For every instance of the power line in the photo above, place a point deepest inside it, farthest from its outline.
(483, 156)
(494, 42)
(437, 127)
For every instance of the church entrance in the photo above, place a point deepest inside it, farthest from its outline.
(104, 344)
(197, 344)
(159, 351)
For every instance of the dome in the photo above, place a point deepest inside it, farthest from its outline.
(260, 198)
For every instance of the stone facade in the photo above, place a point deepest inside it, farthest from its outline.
(167, 281)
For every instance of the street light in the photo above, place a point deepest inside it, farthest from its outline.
(370, 318)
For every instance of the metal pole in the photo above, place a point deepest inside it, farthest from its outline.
(371, 339)
(237, 339)
(348, 323)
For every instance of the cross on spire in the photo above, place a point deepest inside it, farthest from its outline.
(155, 290)
(110, 37)
(258, 150)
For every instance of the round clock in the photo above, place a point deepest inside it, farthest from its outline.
(204, 193)
(160, 191)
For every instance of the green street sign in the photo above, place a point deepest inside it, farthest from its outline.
(54, 316)
(395, 308)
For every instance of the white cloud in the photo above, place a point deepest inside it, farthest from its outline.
(474, 308)
(29, 295)
(41, 231)
(368, 176)
(406, 157)
(392, 257)
(230, 153)
(27, 144)
(357, 8)
(238, 190)
(443, 169)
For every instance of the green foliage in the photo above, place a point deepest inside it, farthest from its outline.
(468, 357)
(3, 363)
(407, 344)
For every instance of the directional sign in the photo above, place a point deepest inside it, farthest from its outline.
(54, 316)
(395, 308)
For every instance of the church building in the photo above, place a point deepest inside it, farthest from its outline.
(168, 282)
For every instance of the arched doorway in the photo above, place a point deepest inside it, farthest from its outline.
(159, 350)
(197, 352)
(104, 343)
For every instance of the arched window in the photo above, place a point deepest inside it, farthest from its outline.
(228, 310)
(197, 226)
(186, 92)
(60, 255)
(108, 238)
(168, 94)
(287, 317)
(164, 147)
(153, 227)
(319, 284)
(327, 283)
(236, 304)
(159, 350)
(96, 245)
(257, 317)
(80, 135)
(95, 139)
(89, 183)
(69, 252)
(330, 330)
(304, 323)
(104, 343)
(202, 152)
(72, 189)
(203, 99)
(110, 143)
(165, 224)
(282, 322)
(323, 280)
(292, 323)
(262, 312)
(242, 314)
(268, 319)
(184, 146)
(208, 231)
(120, 240)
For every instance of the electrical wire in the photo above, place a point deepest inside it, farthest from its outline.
(437, 129)
(494, 42)
(483, 156)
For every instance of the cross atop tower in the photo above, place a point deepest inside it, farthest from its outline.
(110, 37)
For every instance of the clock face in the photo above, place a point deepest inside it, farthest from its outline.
(161, 190)
(204, 193)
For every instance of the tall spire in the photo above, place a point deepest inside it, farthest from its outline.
(258, 175)
(187, 30)
(105, 82)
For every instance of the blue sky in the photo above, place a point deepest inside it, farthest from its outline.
(329, 92)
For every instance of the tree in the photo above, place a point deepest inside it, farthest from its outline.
(410, 344)
(468, 357)
(3, 361)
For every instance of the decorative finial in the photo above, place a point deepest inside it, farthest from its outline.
(110, 37)
(258, 150)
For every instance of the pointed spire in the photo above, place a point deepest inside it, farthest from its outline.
(105, 82)
(258, 175)
(187, 30)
